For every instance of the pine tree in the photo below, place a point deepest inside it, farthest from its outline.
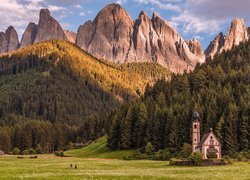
(231, 130)
(126, 129)
(142, 118)
(243, 134)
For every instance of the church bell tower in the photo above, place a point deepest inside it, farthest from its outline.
(195, 131)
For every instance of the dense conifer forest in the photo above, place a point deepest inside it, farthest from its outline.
(219, 90)
(53, 94)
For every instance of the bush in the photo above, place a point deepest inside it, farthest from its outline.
(211, 155)
(25, 152)
(32, 151)
(59, 153)
(16, 151)
(247, 154)
(39, 149)
(186, 150)
(173, 161)
(241, 157)
(163, 155)
(149, 149)
(227, 159)
(195, 158)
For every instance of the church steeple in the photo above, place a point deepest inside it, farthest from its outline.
(195, 131)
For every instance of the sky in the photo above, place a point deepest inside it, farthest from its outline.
(201, 19)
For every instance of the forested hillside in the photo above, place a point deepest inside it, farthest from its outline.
(219, 90)
(53, 93)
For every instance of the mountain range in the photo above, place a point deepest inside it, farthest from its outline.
(113, 35)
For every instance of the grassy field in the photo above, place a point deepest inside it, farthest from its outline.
(52, 167)
(98, 149)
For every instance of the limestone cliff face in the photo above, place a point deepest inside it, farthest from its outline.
(215, 46)
(9, 40)
(71, 36)
(3, 43)
(109, 35)
(48, 28)
(113, 35)
(237, 33)
(29, 35)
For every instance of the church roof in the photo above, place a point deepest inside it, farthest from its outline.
(203, 139)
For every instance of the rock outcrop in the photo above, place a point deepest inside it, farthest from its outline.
(237, 33)
(29, 35)
(48, 28)
(71, 36)
(113, 35)
(9, 40)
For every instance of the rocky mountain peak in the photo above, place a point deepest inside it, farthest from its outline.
(9, 40)
(195, 46)
(48, 28)
(113, 35)
(44, 13)
(237, 33)
(29, 35)
(215, 46)
(71, 36)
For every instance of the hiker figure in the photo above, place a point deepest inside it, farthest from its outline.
(76, 166)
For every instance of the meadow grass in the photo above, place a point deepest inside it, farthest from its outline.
(96, 161)
(99, 149)
(52, 167)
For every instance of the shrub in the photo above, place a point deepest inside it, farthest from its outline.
(211, 155)
(241, 157)
(163, 155)
(247, 154)
(227, 159)
(173, 161)
(16, 151)
(186, 150)
(195, 158)
(25, 152)
(39, 149)
(149, 149)
(32, 151)
(59, 153)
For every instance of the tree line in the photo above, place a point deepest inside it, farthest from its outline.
(219, 90)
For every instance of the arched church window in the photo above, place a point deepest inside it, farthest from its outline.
(195, 126)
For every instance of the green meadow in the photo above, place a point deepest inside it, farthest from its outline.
(95, 161)
(52, 167)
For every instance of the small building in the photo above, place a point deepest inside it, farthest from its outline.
(1, 153)
(209, 143)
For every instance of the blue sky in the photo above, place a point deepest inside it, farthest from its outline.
(202, 19)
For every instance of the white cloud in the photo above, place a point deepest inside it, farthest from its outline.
(190, 23)
(19, 13)
(162, 4)
(121, 1)
(210, 16)
(82, 14)
(78, 6)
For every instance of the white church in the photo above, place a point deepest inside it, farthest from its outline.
(209, 143)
